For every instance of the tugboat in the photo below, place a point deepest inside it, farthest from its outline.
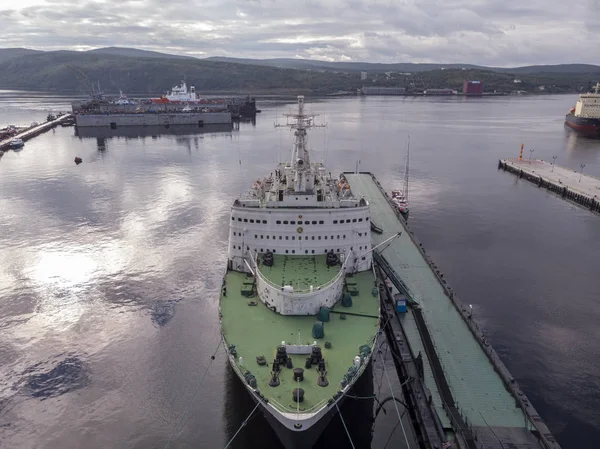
(299, 303)
(585, 116)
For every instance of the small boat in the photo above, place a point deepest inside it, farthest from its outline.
(16, 143)
(400, 197)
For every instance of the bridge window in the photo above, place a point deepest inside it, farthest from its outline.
(344, 236)
(306, 237)
(262, 236)
(287, 237)
(278, 222)
(255, 236)
(251, 220)
(299, 221)
(354, 220)
(319, 238)
(338, 236)
(338, 250)
(261, 250)
(334, 221)
(293, 251)
(325, 237)
(286, 251)
(234, 233)
(305, 251)
(321, 222)
(264, 221)
(313, 237)
(268, 237)
(360, 219)
(285, 222)
(233, 218)
(280, 237)
(366, 218)
(245, 220)
(348, 220)
(293, 222)
(363, 257)
(313, 251)
(314, 222)
(239, 219)
(293, 237)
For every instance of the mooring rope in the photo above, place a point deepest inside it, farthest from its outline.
(243, 425)
(342, 418)
(187, 407)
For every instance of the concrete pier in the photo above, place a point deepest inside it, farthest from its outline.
(569, 184)
(441, 352)
(34, 131)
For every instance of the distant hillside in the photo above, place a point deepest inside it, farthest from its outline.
(134, 53)
(9, 53)
(75, 71)
(307, 64)
(142, 72)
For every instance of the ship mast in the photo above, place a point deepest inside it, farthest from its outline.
(300, 168)
(406, 171)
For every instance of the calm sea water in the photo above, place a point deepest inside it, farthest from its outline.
(110, 270)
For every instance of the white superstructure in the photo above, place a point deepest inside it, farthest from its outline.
(588, 105)
(181, 93)
(300, 209)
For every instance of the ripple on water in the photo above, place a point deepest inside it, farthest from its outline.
(67, 375)
(162, 312)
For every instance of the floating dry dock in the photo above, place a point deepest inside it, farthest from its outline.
(569, 184)
(457, 387)
(34, 131)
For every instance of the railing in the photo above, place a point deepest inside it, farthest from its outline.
(270, 283)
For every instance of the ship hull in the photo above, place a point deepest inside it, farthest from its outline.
(153, 119)
(307, 436)
(589, 127)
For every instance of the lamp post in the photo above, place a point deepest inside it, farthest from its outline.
(530, 155)
(581, 172)
(553, 161)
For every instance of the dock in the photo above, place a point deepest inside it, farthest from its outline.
(569, 184)
(34, 131)
(457, 388)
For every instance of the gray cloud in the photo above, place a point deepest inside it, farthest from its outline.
(492, 32)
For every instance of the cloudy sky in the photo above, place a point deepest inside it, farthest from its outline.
(490, 32)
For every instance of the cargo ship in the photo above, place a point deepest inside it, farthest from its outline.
(299, 303)
(585, 116)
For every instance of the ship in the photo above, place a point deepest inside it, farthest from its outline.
(400, 197)
(585, 116)
(299, 302)
(179, 106)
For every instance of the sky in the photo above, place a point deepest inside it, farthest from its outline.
(499, 33)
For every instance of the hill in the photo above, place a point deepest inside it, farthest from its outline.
(142, 72)
(135, 53)
(10, 53)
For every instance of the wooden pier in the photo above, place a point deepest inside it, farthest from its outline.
(568, 184)
(34, 131)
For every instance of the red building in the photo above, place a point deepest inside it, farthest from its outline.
(473, 88)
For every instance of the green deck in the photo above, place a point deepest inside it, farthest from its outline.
(299, 271)
(256, 330)
(477, 389)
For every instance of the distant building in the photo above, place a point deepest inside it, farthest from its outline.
(444, 91)
(517, 81)
(473, 88)
(363, 76)
(374, 90)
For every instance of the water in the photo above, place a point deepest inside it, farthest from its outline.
(111, 269)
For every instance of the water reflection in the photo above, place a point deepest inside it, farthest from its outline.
(134, 132)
